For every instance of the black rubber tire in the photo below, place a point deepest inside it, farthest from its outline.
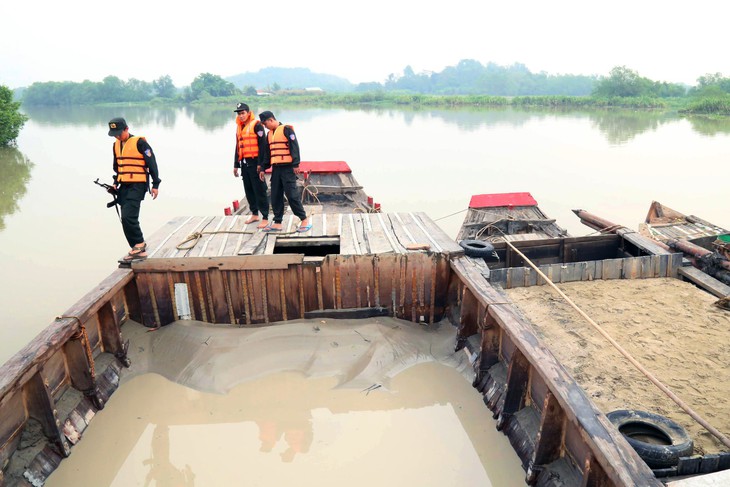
(477, 248)
(672, 441)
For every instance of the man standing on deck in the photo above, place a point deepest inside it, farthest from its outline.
(134, 165)
(250, 149)
(283, 156)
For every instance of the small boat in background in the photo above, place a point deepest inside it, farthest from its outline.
(665, 224)
(327, 185)
(705, 247)
(508, 216)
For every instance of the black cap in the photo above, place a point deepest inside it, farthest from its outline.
(241, 107)
(264, 116)
(117, 126)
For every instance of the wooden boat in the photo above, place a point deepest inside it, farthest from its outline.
(327, 186)
(665, 224)
(507, 216)
(704, 246)
(401, 264)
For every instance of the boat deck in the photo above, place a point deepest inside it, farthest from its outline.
(663, 223)
(187, 237)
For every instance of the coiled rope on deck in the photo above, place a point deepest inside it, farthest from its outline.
(679, 402)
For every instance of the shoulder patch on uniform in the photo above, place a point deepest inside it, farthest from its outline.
(148, 153)
(292, 136)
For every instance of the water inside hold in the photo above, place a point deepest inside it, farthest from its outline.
(430, 429)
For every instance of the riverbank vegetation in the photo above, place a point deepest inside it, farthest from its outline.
(11, 120)
(467, 84)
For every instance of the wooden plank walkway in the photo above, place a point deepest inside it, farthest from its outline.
(226, 239)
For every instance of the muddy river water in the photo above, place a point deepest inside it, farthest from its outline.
(318, 403)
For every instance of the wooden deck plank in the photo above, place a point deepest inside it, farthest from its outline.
(208, 238)
(705, 281)
(379, 243)
(424, 235)
(347, 243)
(159, 242)
(387, 229)
(446, 243)
(182, 234)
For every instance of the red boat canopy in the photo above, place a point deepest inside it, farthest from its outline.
(501, 199)
(316, 167)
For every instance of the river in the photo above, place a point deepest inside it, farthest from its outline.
(57, 238)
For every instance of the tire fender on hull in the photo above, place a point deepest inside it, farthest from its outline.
(658, 440)
(477, 248)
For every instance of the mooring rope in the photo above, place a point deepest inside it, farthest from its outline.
(679, 402)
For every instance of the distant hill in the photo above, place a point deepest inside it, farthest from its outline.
(291, 78)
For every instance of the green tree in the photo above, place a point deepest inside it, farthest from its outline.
(11, 120)
(212, 84)
(15, 168)
(712, 85)
(623, 82)
(249, 90)
(163, 87)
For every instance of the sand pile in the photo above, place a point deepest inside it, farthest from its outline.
(669, 326)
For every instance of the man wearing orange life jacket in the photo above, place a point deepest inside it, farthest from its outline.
(134, 165)
(283, 157)
(250, 149)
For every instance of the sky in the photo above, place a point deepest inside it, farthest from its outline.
(668, 40)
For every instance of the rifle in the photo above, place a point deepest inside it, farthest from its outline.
(111, 190)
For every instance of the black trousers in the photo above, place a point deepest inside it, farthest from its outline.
(255, 189)
(284, 182)
(130, 199)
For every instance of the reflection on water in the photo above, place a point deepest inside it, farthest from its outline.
(97, 117)
(431, 429)
(15, 169)
(709, 125)
(619, 127)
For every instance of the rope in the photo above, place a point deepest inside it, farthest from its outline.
(310, 190)
(195, 236)
(447, 216)
(679, 402)
(81, 334)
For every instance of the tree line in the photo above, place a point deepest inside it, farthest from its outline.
(467, 78)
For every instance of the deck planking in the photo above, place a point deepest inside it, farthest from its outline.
(223, 239)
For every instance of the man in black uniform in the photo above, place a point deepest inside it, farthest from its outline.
(250, 149)
(283, 157)
(134, 165)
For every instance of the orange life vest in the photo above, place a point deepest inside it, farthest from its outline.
(279, 146)
(131, 167)
(248, 144)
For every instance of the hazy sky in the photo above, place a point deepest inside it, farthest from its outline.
(75, 40)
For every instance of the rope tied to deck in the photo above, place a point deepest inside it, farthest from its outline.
(81, 334)
(195, 236)
(311, 190)
(679, 402)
